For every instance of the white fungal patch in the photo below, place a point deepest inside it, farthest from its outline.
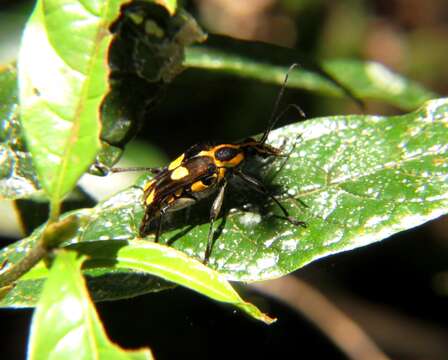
(250, 219)
(289, 245)
(268, 261)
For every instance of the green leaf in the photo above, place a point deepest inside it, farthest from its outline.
(63, 77)
(165, 262)
(17, 176)
(65, 324)
(373, 81)
(137, 258)
(269, 63)
(363, 178)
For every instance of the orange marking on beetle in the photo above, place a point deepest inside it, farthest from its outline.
(235, 161)
(198, 186)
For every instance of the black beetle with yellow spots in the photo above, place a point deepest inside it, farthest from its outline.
(204, 170)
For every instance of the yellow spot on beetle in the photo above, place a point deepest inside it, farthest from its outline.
(175, 163)
(179, 173)
(148, 185)
(150, 198)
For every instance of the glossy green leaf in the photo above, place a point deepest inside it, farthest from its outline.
(373, 81)
(269, 63)
(362, 178)
(65, 324)
(135, 258)
(63, 77)
(17, 176)
(165, 262)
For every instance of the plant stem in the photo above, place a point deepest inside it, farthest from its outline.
(52, 236)
(17, 270)
(55, 208)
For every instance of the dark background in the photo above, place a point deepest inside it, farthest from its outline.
(396, 290)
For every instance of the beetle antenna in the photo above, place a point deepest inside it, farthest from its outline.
(274, 115)
(148, 169)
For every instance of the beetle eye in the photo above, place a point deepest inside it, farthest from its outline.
(226, 153)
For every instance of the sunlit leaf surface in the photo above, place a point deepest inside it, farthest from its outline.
(17, 176)
(63, 77)
(65, 324)
(149, 258)
(362, 178)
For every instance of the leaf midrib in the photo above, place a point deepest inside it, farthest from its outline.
(71, 140)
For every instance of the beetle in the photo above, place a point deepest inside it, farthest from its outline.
(206, 169)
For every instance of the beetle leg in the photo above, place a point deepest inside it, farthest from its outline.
(144, 224)
(162, 213)
(159, 227)
(258, 186)
(214, 212)
(158, 214)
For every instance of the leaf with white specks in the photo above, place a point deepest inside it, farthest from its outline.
(362, 178)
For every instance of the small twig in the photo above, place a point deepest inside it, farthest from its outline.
(12, 274)
(52, 236)
(339, 328)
